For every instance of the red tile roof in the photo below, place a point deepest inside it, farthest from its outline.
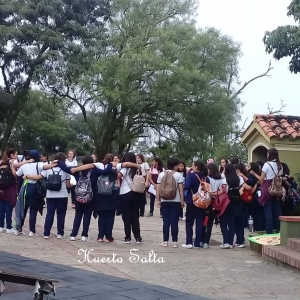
(279, 126)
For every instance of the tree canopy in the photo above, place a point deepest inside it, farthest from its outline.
(285, 40)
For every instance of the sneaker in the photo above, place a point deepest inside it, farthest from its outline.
(205, 246)
(17, 232)
(46, 237)
(138, 241)
(201, 245)
(110, 240)
(59, 236)
(225, 246)
(100, 240)
(84, 238)
(183, 219)
(164, 244)
(31, 234)
(175, 245)
(239, 245)
(150, 215)
(127, 241)
(73, 205)
(2, 229)
(187, 246)
(72, 238)
(10, 231)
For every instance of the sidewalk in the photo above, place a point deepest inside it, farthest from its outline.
(212, 273)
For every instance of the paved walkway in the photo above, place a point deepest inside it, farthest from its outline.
(212, 274)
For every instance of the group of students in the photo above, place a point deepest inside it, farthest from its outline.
(102, 189)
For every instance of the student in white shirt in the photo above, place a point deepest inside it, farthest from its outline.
(170, 209)
(271, 205)
(32, 200)
(71, 161)
(130, 201)
(57, 201)
(140, 159)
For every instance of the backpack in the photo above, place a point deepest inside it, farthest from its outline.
(168, 186)
(138, 183)
(106, 183)
(41, 185)
(201, 198)
(83, 189)
(234, 194)
(54, 182)
(276, 188)
(6, 177)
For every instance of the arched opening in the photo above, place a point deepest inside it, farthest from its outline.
(259, 154)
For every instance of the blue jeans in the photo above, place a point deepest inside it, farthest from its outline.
(106, 220)
(231, 223)
(58, 205)
(193, 214)
(5, 214)
(272, 210)
(170, 214)
(82, 211)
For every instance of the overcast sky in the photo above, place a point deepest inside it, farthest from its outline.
(246, 22)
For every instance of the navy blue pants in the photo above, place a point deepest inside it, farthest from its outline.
(194, 214)
(272, 210)
(231, 223)
(170, 214)
(206, 232)
(58, 205)
(106, 220)
(82, 211)
(5, 214)
(32, 218)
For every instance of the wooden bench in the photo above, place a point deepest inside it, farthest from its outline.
(289, 228)
(43, 287)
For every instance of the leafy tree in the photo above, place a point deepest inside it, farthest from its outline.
(35, 35)
(285, 40)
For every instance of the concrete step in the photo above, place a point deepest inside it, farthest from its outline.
(282, 255)
(294, 244)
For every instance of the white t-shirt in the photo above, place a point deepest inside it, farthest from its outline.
(242, 181)
(63, 193)
(268, 170)
(178, 178)
(72, 163)
(21, 158)
(30, 169)
(215, 184)
(144, 167)
(126, 181)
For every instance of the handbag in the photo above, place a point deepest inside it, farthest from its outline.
(221, 202)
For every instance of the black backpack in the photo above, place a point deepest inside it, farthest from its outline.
(106, 183)
(54, 182)
(41, 185)
(234, 195)
(6, 177)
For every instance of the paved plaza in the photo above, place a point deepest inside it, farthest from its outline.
(115, 270)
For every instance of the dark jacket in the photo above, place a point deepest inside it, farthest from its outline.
(191, 185)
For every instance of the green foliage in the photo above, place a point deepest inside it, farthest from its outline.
(35, 35)
(285, 40)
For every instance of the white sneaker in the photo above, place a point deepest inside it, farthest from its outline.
(31, 234)
(84, 238)
(2, 229)
(10, 231)
(239, 245)
(225, 246)
(189, 246)
(175, 245)
(46, 237)
(72, 238)
(164, 244)
(59, 236)
(205, 246)
(201, 245)
(183, 219)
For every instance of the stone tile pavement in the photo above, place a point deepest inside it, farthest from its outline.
(212, 273)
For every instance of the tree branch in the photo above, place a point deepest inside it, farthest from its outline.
(271, 110)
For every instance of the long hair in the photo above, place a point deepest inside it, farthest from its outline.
(241, 167)
(130, 157)
(108, 158)
(255, 168)
(60, 156)
(214, 171)
(6, 155)
(221, 168)
(160, 165)
(141, 156)
(184, 169)
(74, 152)
(201, 167)
(274, 156)
(232, 178)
